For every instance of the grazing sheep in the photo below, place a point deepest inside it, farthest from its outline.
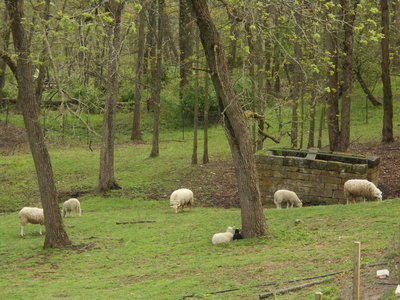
(181, 198)
(31, 215)
(223, 237)
(72, 205)
(237, 235)
(361, 188)
(281, 196)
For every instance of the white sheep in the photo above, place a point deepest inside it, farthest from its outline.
(72, 205)
(31, 215)
(181, 198)
(281, 196)
(361, 188)
(223, 237)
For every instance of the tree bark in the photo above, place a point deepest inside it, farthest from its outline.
(136, 135)
(156, 75)
(5, 40)
(206, 109)
(106, 175)
(332, 97)
(387, 129)
(365, 88)
(347, 71)
(196, 104)
(185, 44)
(235, 123)
(56, 236)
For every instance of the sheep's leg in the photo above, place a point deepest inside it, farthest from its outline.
(80, 212)
(287, 204)
(22, 230)
(40, 229)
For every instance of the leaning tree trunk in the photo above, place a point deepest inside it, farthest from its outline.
(365, 88)
(235, 123)
(56, 236)
(106, 176)
(136, 132)
(387, 129)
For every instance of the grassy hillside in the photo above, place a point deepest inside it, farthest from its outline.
(174, 257)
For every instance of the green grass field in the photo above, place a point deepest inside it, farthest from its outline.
(173, 257)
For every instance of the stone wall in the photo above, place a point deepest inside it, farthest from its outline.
(316, 177)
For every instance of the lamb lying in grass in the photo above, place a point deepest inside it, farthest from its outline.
(361, 188)
(289, 197)
(181, 198)
(72, 206)
(237, 235)
(31, 215)
(223, 237)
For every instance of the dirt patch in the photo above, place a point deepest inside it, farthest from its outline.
(389, 171)
(12, 138)
(213, 184)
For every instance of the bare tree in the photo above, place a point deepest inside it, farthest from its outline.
(56, 236)
(106, 176)
(387, 129)
(235, 123)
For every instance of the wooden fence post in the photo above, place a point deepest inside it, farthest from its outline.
(356, 274)
(318, 296)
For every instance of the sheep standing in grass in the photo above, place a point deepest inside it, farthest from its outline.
(223, 237)
(73, 206)
(181, 198)
(289, 197)
(361, 188)
(31, 215)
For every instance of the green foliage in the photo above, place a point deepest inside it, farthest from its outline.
(186, 106)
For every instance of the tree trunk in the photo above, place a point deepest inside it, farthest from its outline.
(321, 126)
(311, 130)
(296, 90)
(365, 88)
(185, 45)
(106, 176)
(332, 97)
(196, 105)
(156, 75)
(206, 108)
(170, 40)
(347, 70)
(387, 129)
(56, 236)
(150, 53)
(136, 135)
(5, 40)
(235, 123)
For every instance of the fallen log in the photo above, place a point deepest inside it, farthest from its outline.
(294, 288)
(134, 222)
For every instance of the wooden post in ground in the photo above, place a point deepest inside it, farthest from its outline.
(356, 274)
(318, 296)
